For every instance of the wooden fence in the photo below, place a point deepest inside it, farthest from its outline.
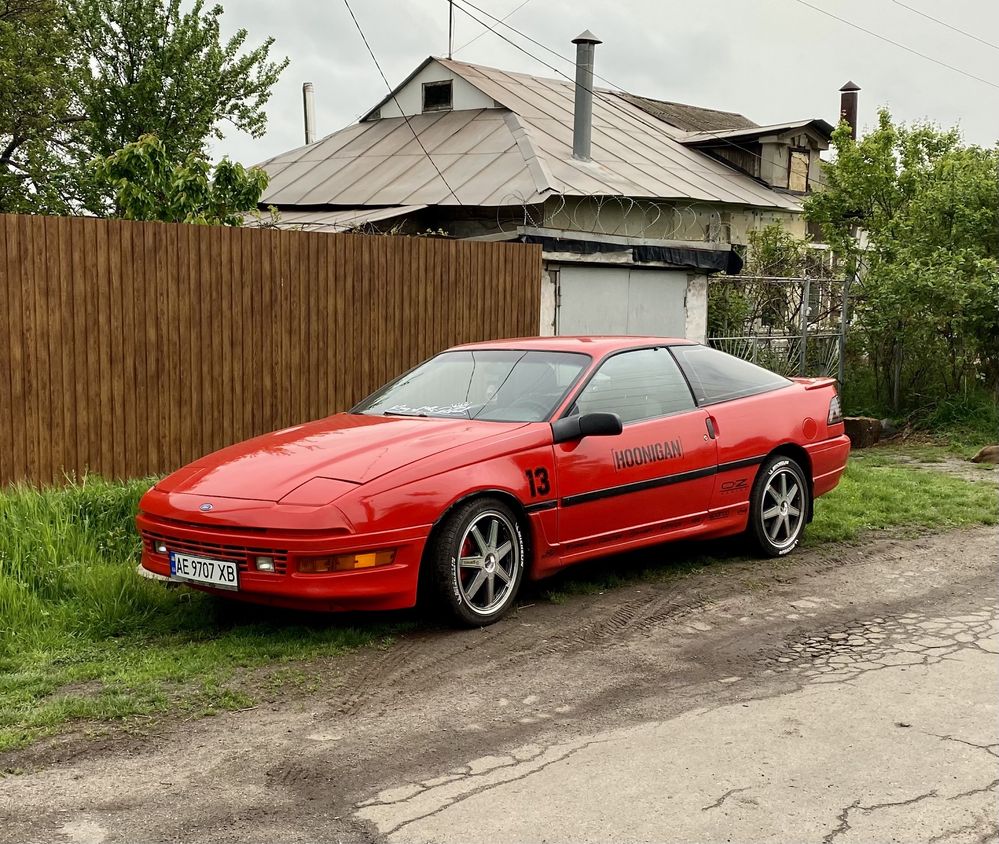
(129, 348)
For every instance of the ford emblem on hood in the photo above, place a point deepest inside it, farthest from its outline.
(205, 507)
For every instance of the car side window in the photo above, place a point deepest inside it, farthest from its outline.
(636, 385)
(716, 376)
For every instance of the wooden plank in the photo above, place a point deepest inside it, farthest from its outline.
(340, 289)
(74, 368)
(268, 330)
(43, 287)
(218, 430)
(26, 231)
(259, 244)
(7, 281)
(15, 346)
(131, 413)
(152, 318)
(115, 372)
(56, 429)
(237, 431)
(225, 320)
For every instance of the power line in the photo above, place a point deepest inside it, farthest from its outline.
(929, 17)
(492, 28)
(609, 98)
(897, 44)
(416, 136)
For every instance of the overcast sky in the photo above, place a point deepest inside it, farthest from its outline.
(772, 60)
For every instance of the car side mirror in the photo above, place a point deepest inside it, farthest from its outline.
(586, 425)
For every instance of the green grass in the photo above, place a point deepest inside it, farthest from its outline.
(878, 493)
(82, 637)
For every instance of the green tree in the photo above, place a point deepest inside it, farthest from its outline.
(916, 215)
(81, 79)
(38, 108)
(155, 69)
(149, 185)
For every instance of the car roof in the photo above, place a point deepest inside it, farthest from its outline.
(595, 345)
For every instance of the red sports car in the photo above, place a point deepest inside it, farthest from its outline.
(495, 461)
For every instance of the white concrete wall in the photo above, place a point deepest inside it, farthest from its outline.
(410, 98)
(549, 277)
(696, 307)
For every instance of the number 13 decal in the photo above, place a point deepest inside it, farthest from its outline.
(538, 481)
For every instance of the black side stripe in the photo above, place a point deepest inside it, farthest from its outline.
(653, 483)
(541, 505)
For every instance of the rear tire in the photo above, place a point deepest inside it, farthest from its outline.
(477, 562)
(779, 506)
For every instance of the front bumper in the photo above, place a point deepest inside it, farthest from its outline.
(386, 587)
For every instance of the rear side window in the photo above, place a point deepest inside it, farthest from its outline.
(716, 376)
(642, 384)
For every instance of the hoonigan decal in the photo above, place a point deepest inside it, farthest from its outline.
(642, 454)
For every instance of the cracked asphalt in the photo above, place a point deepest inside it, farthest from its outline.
(846, 694)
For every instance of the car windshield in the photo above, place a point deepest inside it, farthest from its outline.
(497, 385)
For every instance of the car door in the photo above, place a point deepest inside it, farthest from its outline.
(738, 397)
(655, 477)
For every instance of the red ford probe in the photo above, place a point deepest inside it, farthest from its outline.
(495, 461)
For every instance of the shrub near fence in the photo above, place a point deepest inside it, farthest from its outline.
(130, 348)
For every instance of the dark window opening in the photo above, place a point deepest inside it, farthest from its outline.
(437, 96)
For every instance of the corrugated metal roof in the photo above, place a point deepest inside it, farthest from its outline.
(517, 154)
(337, 221)
(752, 132)
(690, 118)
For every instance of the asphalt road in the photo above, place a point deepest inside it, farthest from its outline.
(848, 694)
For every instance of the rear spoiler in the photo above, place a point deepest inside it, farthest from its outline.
(815, 383)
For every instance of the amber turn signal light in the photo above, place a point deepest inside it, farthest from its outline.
(344, 562)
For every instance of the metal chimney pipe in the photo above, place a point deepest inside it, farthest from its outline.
(582, 113)
(309, 106)
(848, 106)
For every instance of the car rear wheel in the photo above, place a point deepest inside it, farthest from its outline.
(779, 506)
(478, 561)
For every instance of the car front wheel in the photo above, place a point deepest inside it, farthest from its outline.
(779, 506)
(478, 561)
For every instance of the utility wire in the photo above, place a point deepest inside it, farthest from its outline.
(416, 137)
(897, 44)
(943, 23)
(492, 28)
(610, 98)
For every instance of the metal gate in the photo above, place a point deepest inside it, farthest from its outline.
(621, 300)
(794, 326)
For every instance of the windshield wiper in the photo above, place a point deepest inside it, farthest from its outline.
(397, 413)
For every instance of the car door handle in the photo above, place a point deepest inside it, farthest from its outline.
(712, 431)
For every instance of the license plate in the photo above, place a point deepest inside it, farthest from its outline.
(222, 574)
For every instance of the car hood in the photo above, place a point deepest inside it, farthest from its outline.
(345, 447)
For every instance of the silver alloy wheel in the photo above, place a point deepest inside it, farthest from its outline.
(783, 508)
(488, 558)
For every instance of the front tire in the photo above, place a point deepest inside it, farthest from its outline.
(477, 561)
(779, 506)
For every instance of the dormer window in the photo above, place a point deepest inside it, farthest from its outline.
(437, 96)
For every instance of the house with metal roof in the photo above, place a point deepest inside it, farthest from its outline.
(635, 200)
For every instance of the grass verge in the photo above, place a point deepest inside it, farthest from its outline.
(83, 637)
